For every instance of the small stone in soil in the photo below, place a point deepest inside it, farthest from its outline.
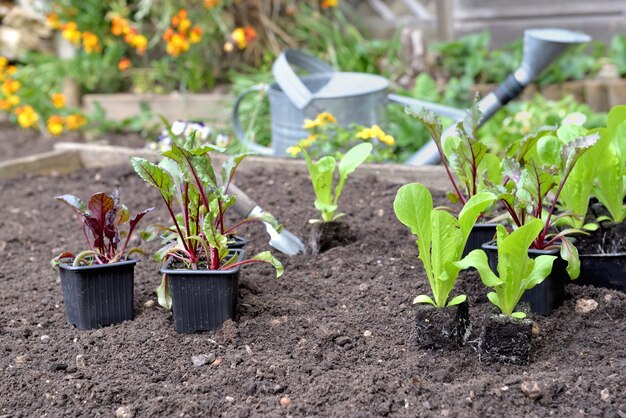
(230, 399)
(45, 339)
(149, 304)
(56, 367)
(364, 287)
(124, 412)
(285, 402)
(584, 306)
(80, 361)
(531, 389)
(536, 330)
(202, 359)
(605, 395)
(426, 405)
(367, 333)
(21, 359)
(342, 340)
(217, 361)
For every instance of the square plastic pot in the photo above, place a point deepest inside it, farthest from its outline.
(603, 270)
(235, 242)
(481, 233)
(202, 300)
(547, 296)
(98, 295)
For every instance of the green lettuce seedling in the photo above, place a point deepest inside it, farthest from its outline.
(517, 271)
(610, 184)
(441, 237)
(322, 172)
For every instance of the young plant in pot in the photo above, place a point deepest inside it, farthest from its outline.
(506, 337)
(201, 273)
(441, 322)
(469, 159)
(531, 191)
(603, 252)
(98, 282)
(327, 232)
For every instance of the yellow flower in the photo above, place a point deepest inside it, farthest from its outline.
(195, 35)
(53, 20)
(75, 121)
(375, 132)
(91, 42)
(308, 141)
(26, 116)
(327, 117)
(177, 45)
(293, 151)
(58, 100)
(329, 3)
(11, 69)
(10, 86)
(184, 25)
(239, 36)
(4, 104)
(140, 43)
(310, 124)
(3, 62)
(119, 26)
(71, 33)
(13, 100)
(55, 125)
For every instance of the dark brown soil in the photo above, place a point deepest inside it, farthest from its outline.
(610, 238)
(506, 340)
(16, 142)
(335, 336)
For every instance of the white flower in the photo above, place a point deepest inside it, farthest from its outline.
(575, 118)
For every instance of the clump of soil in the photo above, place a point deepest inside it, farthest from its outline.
(506, 340)
(335, 336)
(326, 235)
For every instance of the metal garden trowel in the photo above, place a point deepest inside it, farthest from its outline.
(285, 241)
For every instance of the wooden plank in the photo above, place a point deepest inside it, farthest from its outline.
(492, 9)
(94, 156)
(210, 107)
(52, 162)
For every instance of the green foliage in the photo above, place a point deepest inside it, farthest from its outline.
(322, 172)
(617, 53)
(610, 183)
(517, 272)
(189, 185)
(441, 237)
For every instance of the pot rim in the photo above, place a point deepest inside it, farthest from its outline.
(203, 272)
(491, 246)
(128, 261)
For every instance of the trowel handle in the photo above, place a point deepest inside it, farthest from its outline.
(236, 121)
(243, 204)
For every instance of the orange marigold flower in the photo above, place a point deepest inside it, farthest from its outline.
(182, 13)
(75, 121)
(167, 36)
(53, 20)
(13, 100)
(326, 4)
(11, 69)
(91, 42)
(10, 86)
(26, 116)
(177, 45)
(140, 43)
(195, 35)
(250, 33)
(119, 26)
(3, 62)
(55, 125)
(239, 36)
(209, 4)
(71, 33)
(58, 100)
(184, 25)
(124, 64)
(4, 104)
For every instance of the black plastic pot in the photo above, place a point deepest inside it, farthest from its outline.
(547, 296)
(481, 233)
(603, 270)
(236, 242)
(98, 295)
(202, 300)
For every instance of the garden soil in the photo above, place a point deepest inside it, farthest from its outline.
(335, 336)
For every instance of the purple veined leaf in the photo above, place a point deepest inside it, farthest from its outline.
(100, 204)
(135, 220)
(511, 169)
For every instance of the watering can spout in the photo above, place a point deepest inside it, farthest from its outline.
(541, 48)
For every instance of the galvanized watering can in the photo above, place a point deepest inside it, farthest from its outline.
(350, 97)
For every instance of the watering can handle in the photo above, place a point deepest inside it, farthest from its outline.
(288, 80)
(441, 110)
(236, 122)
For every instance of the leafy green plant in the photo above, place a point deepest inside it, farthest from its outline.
(322, 172)
(441, 237)
(610, 184)
(517, 272)
(617, 53)
(463, 154)
(101, 218)
(197, 203)
(531, 189)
